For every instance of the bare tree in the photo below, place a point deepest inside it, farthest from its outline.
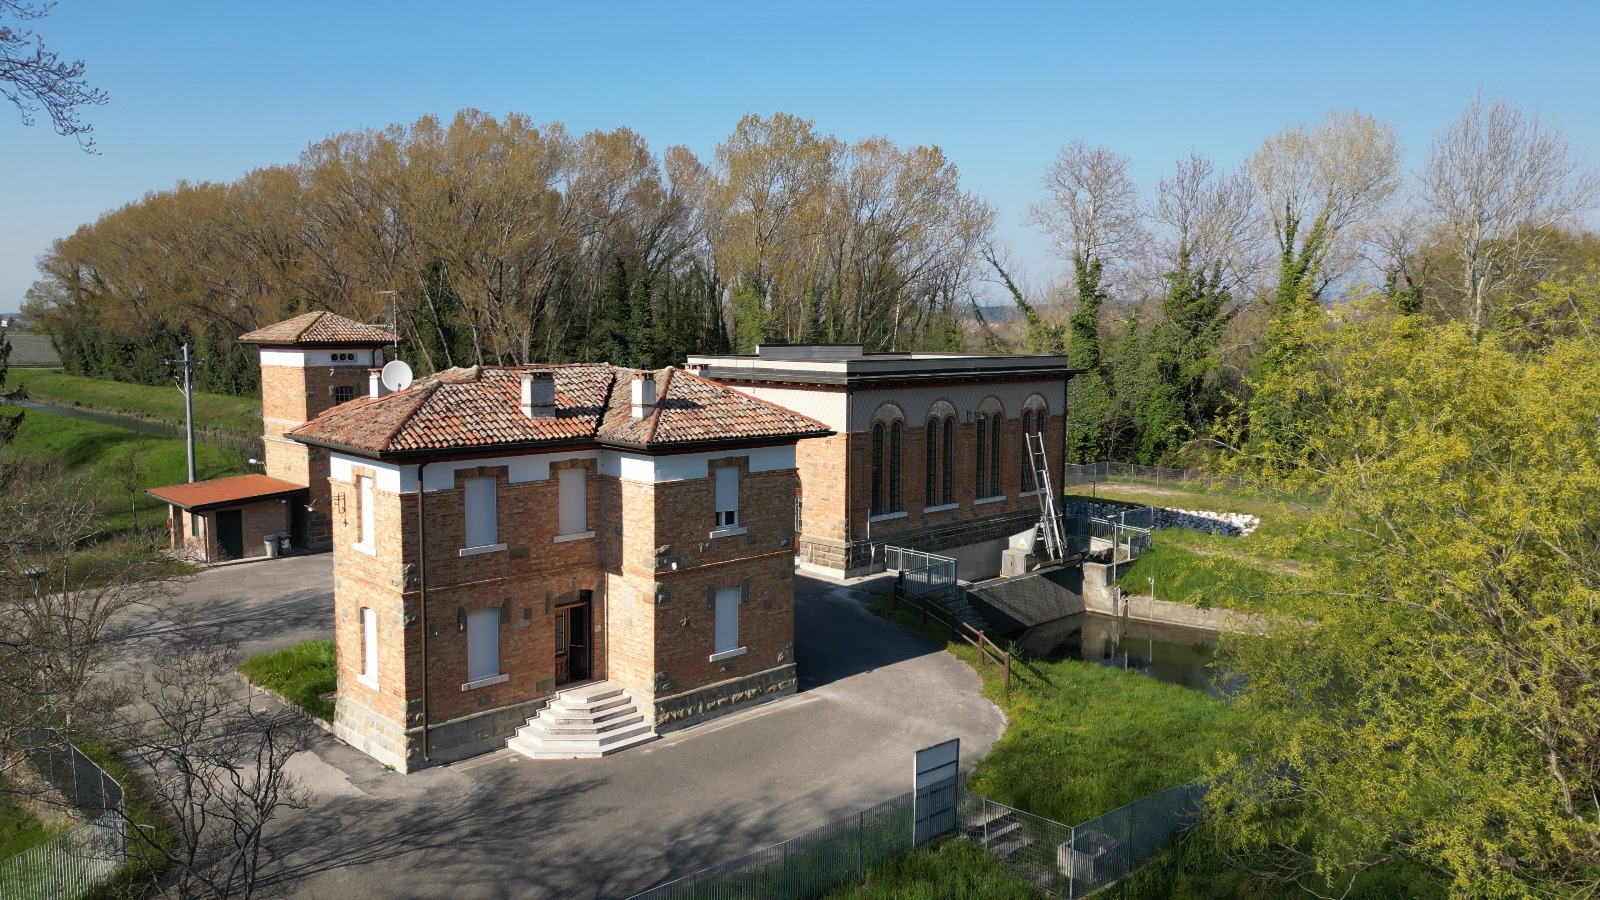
(215, 763)
(1497, 182)
(62, 599)
(35, 78)
(1319, 187)
(1206, 218)
(1093, 210)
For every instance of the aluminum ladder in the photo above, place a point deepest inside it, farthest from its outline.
(1049, 517)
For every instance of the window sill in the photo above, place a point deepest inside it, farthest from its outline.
(485, 682)
(1034, 493)
(940, 508)
(572, 536)
(998, 498)
(728, 531)
(485, 548)
(366, 682)
(727, 654)
(368, 549)
(884, 517)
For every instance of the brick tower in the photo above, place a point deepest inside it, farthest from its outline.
(310, 364)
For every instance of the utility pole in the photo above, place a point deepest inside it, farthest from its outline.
(186, 384)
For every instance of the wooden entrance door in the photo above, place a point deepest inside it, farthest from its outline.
(573, 657)
(230, 533)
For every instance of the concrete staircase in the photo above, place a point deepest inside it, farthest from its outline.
(956, 605)
(585, 722)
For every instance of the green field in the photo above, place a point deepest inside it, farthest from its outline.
(952, 870)
(113, 459)
(165, 404)
(30, 349)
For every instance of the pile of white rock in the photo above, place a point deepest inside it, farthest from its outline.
(1207, 522)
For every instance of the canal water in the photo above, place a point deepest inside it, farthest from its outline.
(1169, 653)
(142, 426)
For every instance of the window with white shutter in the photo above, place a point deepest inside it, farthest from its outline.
(727, 496)
(573, 485)
(483, 527)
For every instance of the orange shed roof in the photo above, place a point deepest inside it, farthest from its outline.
(203, 495)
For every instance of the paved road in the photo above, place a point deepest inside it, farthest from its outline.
(502, 826)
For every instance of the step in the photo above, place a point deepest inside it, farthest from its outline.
(551, 729)
(568, 717)
(1009, 847)
(995, 832)
(526, 741)
(595, 753)
(566, 706)
(991, 815)
(589, 693)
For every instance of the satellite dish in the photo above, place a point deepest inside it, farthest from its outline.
(396, 375)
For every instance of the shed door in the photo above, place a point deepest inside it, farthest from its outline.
(230, 533)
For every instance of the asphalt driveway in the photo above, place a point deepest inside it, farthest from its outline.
(502, 825)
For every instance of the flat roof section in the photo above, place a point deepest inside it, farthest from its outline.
(203, 495)
(825, 364)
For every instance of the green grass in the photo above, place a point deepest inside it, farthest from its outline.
(1183, 576)
(19, 828)
(105, 453)
(302, 674)
(241, 414)
(1083, 740)
(30, 349)
(952, 870)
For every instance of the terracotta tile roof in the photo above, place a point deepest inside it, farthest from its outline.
(202, 495)
(318, 328)
(480, 408)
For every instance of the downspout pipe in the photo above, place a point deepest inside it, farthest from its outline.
(422, 597)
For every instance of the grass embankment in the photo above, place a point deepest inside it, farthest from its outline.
(301, 674)
(19, 828)
(1214, 570)
(31, 349)
(159, 403)
(1083, 739)
(117, 459)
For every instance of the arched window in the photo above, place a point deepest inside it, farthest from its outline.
(995, 489)
(949, 456)
(932, 475)
(895, 431)
(1027, 453)
(877, 469)
(982, 487)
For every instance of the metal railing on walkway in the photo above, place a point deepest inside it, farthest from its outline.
(922, 574)
(72, 863)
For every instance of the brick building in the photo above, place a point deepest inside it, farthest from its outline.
(927, 450)
(502, 532)
(228, 518)
(310, 364)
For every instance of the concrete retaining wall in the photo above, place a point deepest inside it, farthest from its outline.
(1100, 595)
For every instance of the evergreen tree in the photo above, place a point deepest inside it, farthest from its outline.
(1089, 399)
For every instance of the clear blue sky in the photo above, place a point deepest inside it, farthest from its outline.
(208, 91)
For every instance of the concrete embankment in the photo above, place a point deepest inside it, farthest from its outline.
(1101, 595)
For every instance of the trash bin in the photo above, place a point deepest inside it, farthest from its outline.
(271, 542)
(283, 542)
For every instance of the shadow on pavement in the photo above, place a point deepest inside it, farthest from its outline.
(837, 636)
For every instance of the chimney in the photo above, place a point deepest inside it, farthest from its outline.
(375, 383)
(539, 394)
(644, 394)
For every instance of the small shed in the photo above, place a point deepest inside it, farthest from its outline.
(229, 518)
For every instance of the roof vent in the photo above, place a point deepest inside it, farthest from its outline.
(644, 394)
(539, 394)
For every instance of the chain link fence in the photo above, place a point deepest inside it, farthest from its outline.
(1076, 860)
(807, 866)
(71, 863)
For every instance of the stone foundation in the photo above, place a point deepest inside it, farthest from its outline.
(692, 707)
(450, 741)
